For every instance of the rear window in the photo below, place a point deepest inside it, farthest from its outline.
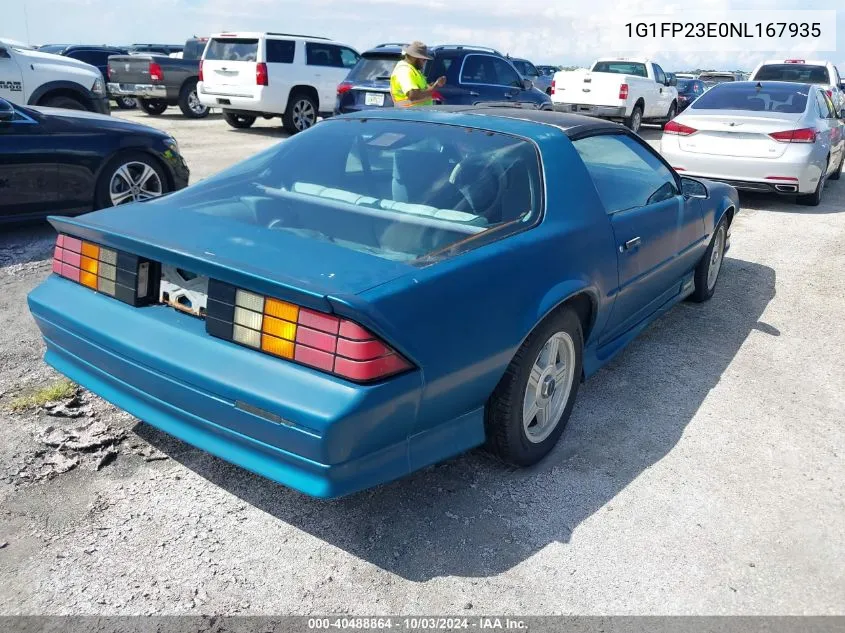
(232, 49)
(280, 51)
(747, 96)
(373, 68)
(404, 191)
(799, 73)
(621, 68)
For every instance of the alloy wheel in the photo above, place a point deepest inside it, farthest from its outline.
(134, 181)
(716, 258)
(549, 385)
(303, 115)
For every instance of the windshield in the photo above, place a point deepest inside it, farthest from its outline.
(373, 68)
(621, 68)
(746, 96)
(399, 190)
(232, 49)
(800, 73)
(55, 49)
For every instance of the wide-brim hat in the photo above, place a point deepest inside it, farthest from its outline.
(418, 50)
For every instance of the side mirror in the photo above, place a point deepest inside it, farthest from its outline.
(527, 84)
(4, 54)
(673, 81)
(7, 112)
(692, 188)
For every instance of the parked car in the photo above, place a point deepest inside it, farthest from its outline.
(548, 70)
(686, 76)
(268, 75)
(629, 90)
(711, 79)
(158, 80)
(158, 49)
(474, 75)
(68, 162)
(817, 72)
(688, 91)
(529, 71)
(31, 77)
(769, 136)
(437, 280)
(97, 56)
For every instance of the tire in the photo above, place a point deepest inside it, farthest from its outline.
(153, 107)
(673, 112)
(300, 114)
(509, 432)
(635, 121)
(189, 102)
(136, 163)
(838, 172)
(240, 121)
(705, 284)
(68, 103)
(815, 198)
(126, 103)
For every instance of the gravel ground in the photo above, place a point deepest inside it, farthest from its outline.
(701, 473)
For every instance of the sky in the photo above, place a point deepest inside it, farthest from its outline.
(564, 32)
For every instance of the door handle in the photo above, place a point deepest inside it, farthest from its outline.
(473, 93)
(630, 244)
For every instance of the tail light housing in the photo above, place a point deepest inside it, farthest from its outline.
(124, 276)
(793, 61)
(322, 341)
(554, 87)
(803, 135)
(437, 96)
(343, 88)
(200, 78)
(156, 74)
(623, 92)
(679, 129)
(108, 71)
(829, 93)
(261, 78)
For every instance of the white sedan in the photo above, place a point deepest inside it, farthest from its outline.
(770, 136)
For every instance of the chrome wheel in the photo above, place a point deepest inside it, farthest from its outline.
(636, 120)
(194, 103)
(303, 114)
(549, 385)
(716, 258)
(134, 181)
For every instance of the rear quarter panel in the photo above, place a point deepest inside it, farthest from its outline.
(461, 320)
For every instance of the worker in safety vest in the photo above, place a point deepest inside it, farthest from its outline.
(408, 85)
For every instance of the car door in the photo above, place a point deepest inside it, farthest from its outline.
(28, 168)
(660, 106)
(659, 233)
(510, 82)
(11, 79)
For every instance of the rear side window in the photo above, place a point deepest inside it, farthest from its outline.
(626, 174)
(439, 67)
(798, 73)
(621, 68)
(329, 55)
(746, 96)
(280, 51)
(486, 69)
(232, 49)
(374, 68)
(822, 103)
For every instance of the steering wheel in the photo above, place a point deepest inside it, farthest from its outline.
(472, 176)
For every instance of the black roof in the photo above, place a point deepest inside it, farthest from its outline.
(571, 124)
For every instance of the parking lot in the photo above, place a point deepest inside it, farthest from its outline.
(701, 472)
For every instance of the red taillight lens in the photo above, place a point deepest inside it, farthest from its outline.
(199, 78)
(673, 127)
(156, 74)
(623, 92)
(114, 273)
(829, 93)
(343, 88)
(804, 135)
(437, 96)
(108, 71)
(322, 341)
(261, 78)
(554, 88)
(793, 61)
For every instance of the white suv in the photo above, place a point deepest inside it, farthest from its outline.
(30, 77)
(809, 71)
(273, 74)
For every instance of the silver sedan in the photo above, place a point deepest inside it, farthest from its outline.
(761, 136)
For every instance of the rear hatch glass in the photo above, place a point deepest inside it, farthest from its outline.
(797, 73)
(232, 49)
(372, 69)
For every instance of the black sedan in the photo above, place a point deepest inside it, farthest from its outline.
(66, 162)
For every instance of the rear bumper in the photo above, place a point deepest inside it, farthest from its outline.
(309, 431)
(144, 91)
(605, 112)
(252, 103)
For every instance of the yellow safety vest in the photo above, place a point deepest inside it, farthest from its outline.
(405, 78)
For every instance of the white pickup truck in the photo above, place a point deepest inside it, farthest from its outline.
(30, 77)
(630, 90)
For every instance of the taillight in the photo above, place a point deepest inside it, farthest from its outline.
(673, 127)
(553, 86)
(199, 78)
(793, 61)
(829, 93)
(343, 88)
(114, 273)
(437, 96)
(623, 92)
(261, 78)
(156, 74)
(108, 71)
(322, 341)
(804, 135)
